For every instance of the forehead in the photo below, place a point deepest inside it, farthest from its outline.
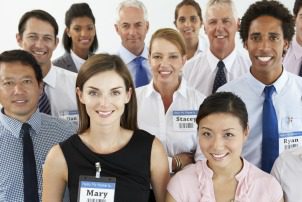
(164, 45)
(264, 24)
(84, 20)
(35, 25)
(131, 15)
(218, 11)
(105, 80)
(15, 70)
(187, 9)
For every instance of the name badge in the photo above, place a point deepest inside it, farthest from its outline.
(184, 120)
(289, 140)
(72, 115)
(93, 189)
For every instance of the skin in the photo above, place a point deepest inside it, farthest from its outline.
(38, 38)
(221, 27)
(19, 90)
(188, 24)
(298, 24)
(105, 96)
(82, 32)
(132, 28)
(265, 45)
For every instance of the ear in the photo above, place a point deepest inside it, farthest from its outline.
(129, 93)
(80, 95)
(286, 44)
(67, 31)
(238, 24)
(184, 59)
(246, 133)
(116, 28)
(19, 39)
(205, 29)
(147, 25)
(245, 45)
(57, 42)
(41, 86)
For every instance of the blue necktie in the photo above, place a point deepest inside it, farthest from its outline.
(220, 78)
(141, 76)
(300, 72)
(29, 166)
(270, 134)
(44, 105)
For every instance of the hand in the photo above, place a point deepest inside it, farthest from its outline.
(185, 159)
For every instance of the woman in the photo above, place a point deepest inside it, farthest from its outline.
(107, 135)
(188, 21)
(79, 38)
(224, 175)
(167, 107)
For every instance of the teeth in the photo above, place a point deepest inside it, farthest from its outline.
(220, 37)
(19, 101)
(218, 155)
(165, 72)
(264, 59)
(39, 52)
(105, 113)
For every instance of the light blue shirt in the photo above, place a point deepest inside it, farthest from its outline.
(45, 132)
(128, 58)
(293, 57)
(287, 100)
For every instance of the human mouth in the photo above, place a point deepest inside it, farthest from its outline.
(220, 37)
(264, 58)
(104, 114)
(165, 72)
(39, 53)
(218, 157)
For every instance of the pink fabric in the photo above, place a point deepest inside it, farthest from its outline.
(194, 184)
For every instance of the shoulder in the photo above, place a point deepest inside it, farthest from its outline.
(288, 161)
(193, 93)
(54, 124)
(63, 60)
(234, 85)
(144, 135)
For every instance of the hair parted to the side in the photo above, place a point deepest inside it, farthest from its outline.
(170, 35)
(24, 58)
(297, 7)
(268, 8)
(100, 63)
(75, 11)
(224, 102)
(192, 3)
(131, 3)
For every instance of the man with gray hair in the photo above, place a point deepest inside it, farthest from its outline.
(132, 26)
(221, 62)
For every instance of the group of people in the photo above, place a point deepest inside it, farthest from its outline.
(171, 120)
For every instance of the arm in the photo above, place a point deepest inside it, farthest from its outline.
(55, 174)
(169, 198)
(159, 170)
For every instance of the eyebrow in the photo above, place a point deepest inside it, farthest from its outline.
(227, 129)
(115, 88)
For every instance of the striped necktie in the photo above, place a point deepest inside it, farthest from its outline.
(44, 105)
(220, 78)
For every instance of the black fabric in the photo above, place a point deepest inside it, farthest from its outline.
(220, 78)
(29, 166)
(130, 165)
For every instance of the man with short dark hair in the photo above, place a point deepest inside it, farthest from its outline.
(26, 135)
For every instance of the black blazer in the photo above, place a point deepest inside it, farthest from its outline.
(65, 61)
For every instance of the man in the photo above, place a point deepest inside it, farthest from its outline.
(293, 58)
(20, 88)
(38, 35)
(271, 94)
(221, 62)
(132, 26)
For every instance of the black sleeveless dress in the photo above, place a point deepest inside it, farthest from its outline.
(130, 165)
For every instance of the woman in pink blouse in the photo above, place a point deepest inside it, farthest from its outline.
(224, 175)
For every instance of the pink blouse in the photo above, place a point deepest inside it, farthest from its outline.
(195, 184)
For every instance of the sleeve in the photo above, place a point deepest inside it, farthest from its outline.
(174, 188)
(276, 170)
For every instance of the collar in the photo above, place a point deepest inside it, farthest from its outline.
(127, 56)
(258, 87)
(51, 77)
(181, 89)
(14, 125)
(297, 49)
(228, 61)
(76, 59)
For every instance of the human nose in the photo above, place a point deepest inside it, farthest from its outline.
(104, 100)
(18, 88)
(39, 42)
(217, 142)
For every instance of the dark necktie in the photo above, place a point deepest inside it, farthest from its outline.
(270, 135)
(141, 77)
(300, 72)
(29, 167)
(44, 105)
(220, 78)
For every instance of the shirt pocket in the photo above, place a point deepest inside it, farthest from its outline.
(291, 124)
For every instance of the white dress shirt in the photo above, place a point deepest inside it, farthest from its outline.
(200, 72)
(287, 100)
(60, 89)
(128, 58)
(288, 171)
(293, 57)
(176, 135)
(77, 60)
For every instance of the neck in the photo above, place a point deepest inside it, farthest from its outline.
(45, 68)
(299, 39)
(269, 77)
(191, 47)
(228, 172)
(136, 52)
(81, 53)
(222, 53)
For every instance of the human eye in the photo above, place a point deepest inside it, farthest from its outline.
(115, 93)
(274, 37)
(206, 134)
(91, 28)
(27, 81)
(193, 19)
(125, 26)
(32, 37)
(92, 93)
(175, 56)
(156, 57)
(255, 37)
(8, 83)
(181, 19)
(228, 135)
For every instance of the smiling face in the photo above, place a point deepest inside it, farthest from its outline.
(19, 90)
(265, 45)
(188, 23)
(82, 33)
(132, 28)
(166, 62)
(221, 138)
(221, 27)
(104, 96)
(38, 38)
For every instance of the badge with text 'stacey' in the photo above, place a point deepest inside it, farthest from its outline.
(184, 120)
(92, 189)
(72, 115)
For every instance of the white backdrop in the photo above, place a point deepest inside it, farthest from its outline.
(161, 14)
